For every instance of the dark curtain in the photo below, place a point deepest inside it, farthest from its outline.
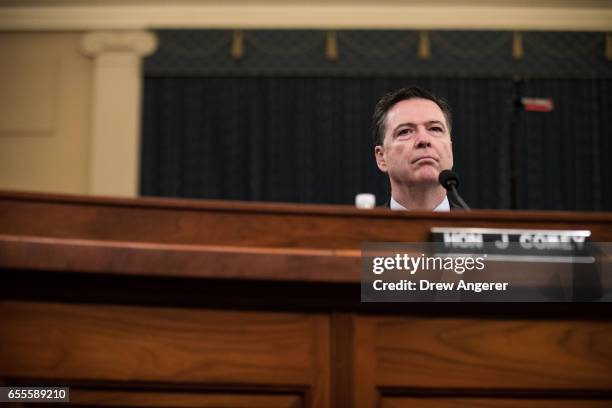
(306, 139)
(564, 155)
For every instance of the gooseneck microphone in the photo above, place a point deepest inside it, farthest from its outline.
(450, 181)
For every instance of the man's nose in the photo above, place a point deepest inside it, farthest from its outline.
(422, 139)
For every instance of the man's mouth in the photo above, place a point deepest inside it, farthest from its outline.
(425, 159)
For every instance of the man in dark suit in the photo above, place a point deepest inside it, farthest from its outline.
(412, 139)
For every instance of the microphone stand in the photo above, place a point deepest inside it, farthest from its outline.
(449, 180)
(517, 106)
(457, 198)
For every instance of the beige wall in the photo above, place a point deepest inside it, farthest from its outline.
(45, 98)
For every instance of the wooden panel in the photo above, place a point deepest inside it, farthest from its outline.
(481, 353)
(209, 254)
(90, 398)
(364, 349)
(220, 239)
(254, 224)
(92, 342)
(492, 403)
(149, 259)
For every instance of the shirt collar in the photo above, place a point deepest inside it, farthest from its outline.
(443, 206)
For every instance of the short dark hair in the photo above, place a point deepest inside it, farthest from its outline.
(385, 103)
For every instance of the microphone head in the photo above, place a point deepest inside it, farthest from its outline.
(448, 178)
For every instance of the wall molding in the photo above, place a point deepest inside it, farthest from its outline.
(470, 15)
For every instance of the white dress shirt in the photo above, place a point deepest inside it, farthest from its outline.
(443, 206)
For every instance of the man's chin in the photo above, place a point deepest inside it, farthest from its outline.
(420, 178)
(426, 175)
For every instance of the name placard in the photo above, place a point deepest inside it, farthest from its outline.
(519, 245)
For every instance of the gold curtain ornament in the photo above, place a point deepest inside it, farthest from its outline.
(331, 46)
(424, 51)
(237, 45)
(517, 46)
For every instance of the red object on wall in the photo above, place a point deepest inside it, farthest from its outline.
(537, 104)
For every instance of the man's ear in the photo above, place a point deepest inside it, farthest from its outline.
(380, 158)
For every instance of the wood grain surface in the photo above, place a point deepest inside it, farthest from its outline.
(156, 302)
(102, 342)
(479, 353)
(89, 398)
(204, 222)
(492, 403)
(223, 239)
(192, 261)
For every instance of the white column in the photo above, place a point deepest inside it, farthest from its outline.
(115, 110)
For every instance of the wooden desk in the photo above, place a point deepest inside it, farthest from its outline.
(152, 302)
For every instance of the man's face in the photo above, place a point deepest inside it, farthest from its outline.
(417, 144)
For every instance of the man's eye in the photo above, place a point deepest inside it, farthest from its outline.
(404, 131)
(436, 129)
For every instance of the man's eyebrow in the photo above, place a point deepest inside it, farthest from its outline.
(429, 122)
(399, 125)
